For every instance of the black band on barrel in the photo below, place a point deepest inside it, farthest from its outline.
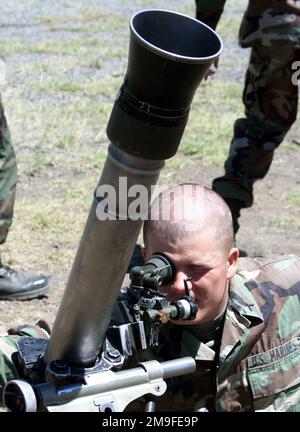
(148, 113)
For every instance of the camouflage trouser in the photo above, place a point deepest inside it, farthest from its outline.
(8, 370)
(8, 177)
(270, 100)
(8, 351)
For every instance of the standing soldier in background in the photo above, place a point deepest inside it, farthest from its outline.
(271, 28)
(13, 285)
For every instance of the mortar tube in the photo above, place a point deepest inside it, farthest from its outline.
(169, 54)
(98, 270)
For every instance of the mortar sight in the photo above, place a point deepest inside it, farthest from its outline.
(157, 271)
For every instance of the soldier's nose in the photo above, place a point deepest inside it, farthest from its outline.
(178, 284)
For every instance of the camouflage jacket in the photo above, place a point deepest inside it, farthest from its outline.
(258, 366)
(265, 22)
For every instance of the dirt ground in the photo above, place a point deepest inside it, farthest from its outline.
(271, 226)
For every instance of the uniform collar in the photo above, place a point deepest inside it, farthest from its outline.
(242, 314)
(242, 301)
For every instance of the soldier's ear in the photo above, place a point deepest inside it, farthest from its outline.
(232, 262)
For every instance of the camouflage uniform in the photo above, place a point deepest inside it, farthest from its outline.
(8, 177)
(254, 363)
(8, 370)
(8, 349)
(271, 28)
(257, 365)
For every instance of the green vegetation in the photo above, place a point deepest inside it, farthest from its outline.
(12, 46)
(209, 129)
(292, 197)
(284, 222)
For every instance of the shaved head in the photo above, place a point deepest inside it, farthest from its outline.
(186, 210)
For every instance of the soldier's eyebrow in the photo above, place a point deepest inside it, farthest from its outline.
(200, 265)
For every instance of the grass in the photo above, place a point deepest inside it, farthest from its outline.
(52, 227)
(284, 222)
(216, 105)
(93, 86)
(96, 158)
(292, 197)
(209, 130)
(95, 63)
(63, 126)
(87, 20)
(12, 46)
(61, 84)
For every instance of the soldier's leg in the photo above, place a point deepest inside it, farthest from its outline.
(13, 285)
(8, 177)
(209, 11)
(270, 100)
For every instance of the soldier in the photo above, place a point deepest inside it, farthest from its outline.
(14, 285)
(271, 28)
(245, 336)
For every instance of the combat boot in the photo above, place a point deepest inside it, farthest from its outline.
(18, 285)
